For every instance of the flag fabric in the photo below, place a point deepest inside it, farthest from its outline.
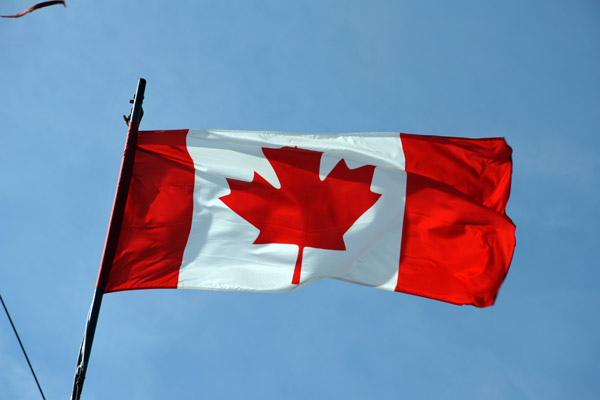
(271, 211)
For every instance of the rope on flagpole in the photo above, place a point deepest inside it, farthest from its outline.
(22, 347)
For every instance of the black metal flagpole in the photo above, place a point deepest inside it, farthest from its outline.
(112, 238)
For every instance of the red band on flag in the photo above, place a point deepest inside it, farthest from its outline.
(158, 214)
(457, 241)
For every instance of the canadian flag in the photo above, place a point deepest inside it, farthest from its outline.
(271, 211)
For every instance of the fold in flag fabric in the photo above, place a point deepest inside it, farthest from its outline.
(270, 212)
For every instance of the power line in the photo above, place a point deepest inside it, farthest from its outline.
(22, 348)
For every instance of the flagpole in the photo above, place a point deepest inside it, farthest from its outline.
(112, 238)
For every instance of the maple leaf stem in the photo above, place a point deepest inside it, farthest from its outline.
(298, 267)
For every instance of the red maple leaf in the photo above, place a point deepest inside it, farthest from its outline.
(305, 210)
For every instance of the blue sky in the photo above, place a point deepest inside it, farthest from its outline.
(525, 70)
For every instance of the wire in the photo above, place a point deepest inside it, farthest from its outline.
(22, 348)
